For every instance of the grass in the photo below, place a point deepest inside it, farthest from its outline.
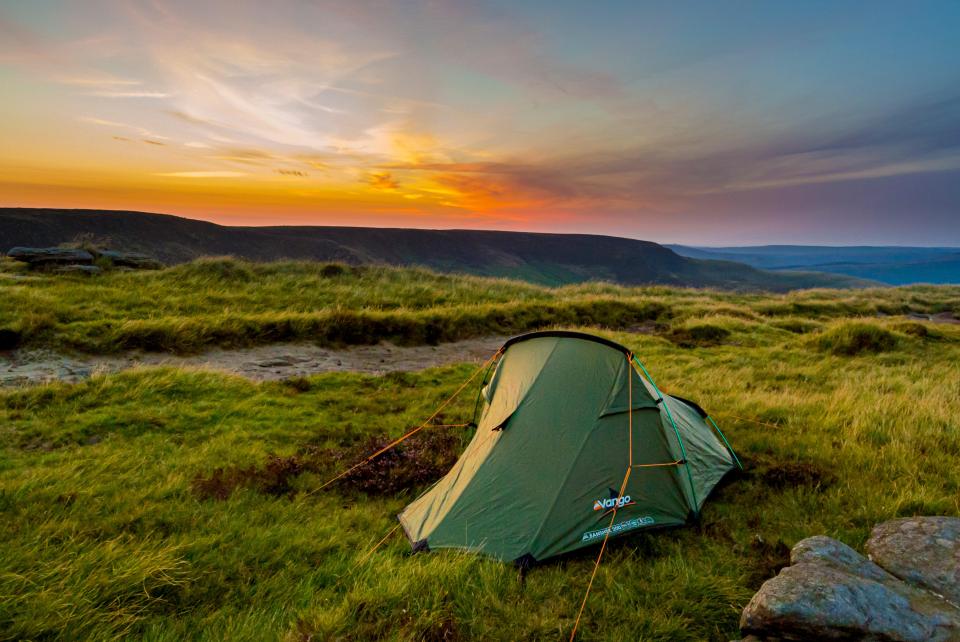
(229, 303)
(856, 337)
(108, 534)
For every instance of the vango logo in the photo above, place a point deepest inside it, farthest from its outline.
(613, 502)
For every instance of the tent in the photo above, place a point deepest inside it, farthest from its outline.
(574, 444)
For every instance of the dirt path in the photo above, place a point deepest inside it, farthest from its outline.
(28, 367)
(939, 317)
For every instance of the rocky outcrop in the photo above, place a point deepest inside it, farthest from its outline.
(79, 261)
(85, 270)
(133, 260)
(50, 256)
(831, 592)
(924, 551)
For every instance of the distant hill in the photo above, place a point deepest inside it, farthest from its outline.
(550, 259)
(891, 265)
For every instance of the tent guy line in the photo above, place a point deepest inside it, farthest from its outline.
(409, 434)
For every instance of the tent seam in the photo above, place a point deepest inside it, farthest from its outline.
(566, 476)
(506, 419)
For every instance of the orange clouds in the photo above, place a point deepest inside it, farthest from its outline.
(487, 193)
(382, 180)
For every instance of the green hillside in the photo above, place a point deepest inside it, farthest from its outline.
(547, 259)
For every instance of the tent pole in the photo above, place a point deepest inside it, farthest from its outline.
(476, 404)
(630, 407)
(683, 451)
(725, 442)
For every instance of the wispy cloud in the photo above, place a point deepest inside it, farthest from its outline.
(128, 94)
(100, 80)
(102, 122)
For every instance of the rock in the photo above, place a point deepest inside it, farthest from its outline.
(133, 260)
(828, 551)
(47, 256)
(88, 270)
(924, 551)
(831, 592)
(51, 256)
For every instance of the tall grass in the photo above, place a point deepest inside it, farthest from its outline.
(226, 302)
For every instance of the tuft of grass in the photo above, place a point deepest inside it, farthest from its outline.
(918, 330)
(698, 335)
(796, 325)
(215, 269)
(852, 338)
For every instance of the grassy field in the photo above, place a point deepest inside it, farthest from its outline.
(165, 504)
(230, 303)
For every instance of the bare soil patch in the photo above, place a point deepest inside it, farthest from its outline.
(939, 317)
(263, 363)
(421, 460)
(778, 475)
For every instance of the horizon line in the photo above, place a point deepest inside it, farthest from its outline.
(468, 229)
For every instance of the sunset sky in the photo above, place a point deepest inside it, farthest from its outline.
(706, 123)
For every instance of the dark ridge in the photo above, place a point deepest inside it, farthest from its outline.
(550, 259)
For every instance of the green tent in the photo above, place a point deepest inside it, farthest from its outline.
(572, 443)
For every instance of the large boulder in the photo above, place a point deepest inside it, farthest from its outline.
(48, 256)
(924, 551)
(831, 592)
(133, 260)
(85, 270)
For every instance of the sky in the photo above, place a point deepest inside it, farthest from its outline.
(706, 123)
